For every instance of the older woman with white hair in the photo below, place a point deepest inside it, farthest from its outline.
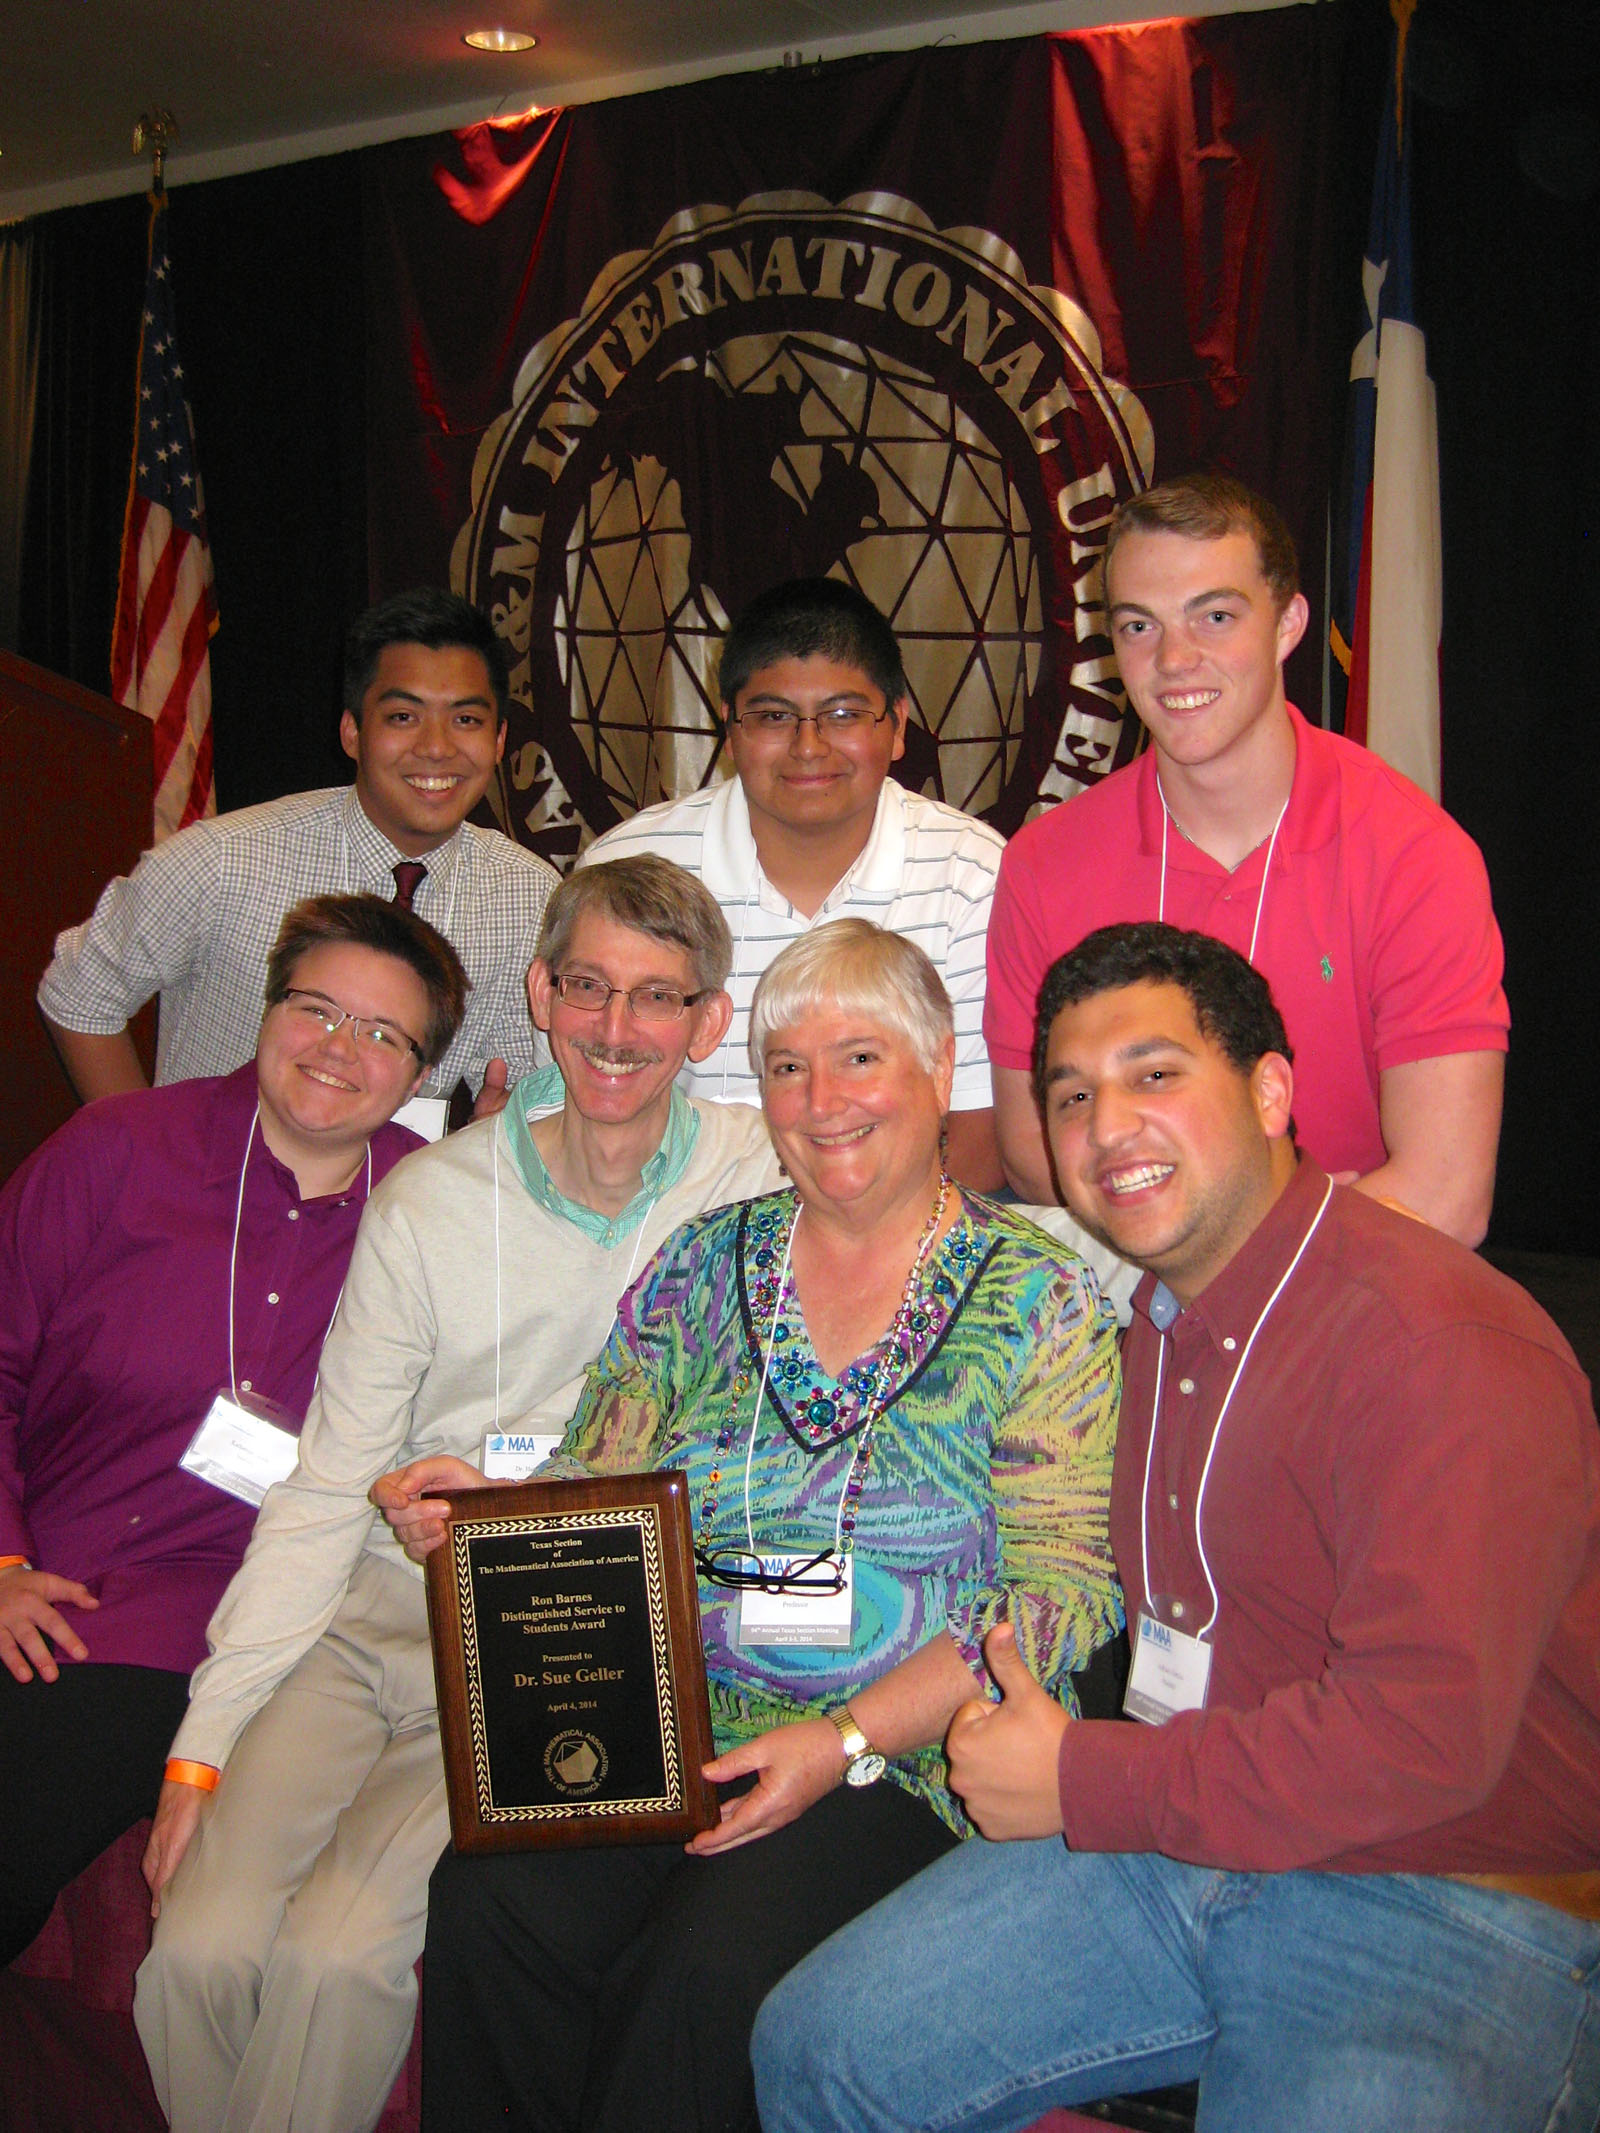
(895, 1403)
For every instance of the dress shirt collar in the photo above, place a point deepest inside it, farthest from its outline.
(536, 1095)
(1228, 1306)
(233, 1104)
(1310, 821)
(731, 868)
(371, 853)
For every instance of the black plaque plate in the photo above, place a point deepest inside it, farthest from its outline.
(566, 1648)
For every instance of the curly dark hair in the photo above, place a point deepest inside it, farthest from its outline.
(1232, 1001)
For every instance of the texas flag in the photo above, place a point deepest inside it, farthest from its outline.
(1388, 608)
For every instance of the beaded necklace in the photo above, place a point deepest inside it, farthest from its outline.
(766, 1304)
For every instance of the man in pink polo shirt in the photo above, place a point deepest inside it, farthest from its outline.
(1357, 897)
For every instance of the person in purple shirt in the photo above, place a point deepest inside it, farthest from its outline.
(164, 1248)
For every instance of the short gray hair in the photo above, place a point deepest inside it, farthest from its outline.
(655, 897)
(863, 969)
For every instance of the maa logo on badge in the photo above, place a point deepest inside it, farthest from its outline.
(794, 388)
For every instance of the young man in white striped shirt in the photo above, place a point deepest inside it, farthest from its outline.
(812, 828)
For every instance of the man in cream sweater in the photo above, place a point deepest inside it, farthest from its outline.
(305, 1804)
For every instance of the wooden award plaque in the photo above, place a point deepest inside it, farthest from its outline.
(571, 1677)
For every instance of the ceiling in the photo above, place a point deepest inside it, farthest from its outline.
(256, 82)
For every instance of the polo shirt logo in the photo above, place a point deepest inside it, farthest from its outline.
(1327, 970)
(889, 402)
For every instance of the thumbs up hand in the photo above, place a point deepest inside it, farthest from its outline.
(495, 1093)
(1003, 1755)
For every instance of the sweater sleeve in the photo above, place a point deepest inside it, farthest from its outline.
(313, 1526)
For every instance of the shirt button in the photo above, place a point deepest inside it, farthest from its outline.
(294, 1214)
(272, 1296)
(1229, 1342)
(1173, 1501)
(1177, 1610)
(244, 1385)
(1186, 1384)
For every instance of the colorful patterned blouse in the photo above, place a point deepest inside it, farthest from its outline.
(985, 1491)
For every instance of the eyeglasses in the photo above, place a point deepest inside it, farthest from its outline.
(385, 1040)
(838, 722)
(649, 1003)
(822, 1573)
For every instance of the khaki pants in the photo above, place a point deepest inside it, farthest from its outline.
(278, 1995)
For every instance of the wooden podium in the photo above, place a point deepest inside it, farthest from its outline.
(76, 779)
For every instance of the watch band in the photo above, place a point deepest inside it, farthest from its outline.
(863, 1765)
(855, 1741)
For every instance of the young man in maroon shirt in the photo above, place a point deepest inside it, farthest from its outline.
(1345, 1874)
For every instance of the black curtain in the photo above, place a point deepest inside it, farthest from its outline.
(89, 272)
(1506, 106)
(268, 277)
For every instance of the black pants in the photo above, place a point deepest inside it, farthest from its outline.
(613, 1990)
(80, 1761)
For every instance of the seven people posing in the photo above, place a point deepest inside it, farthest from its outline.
(1344, 1871)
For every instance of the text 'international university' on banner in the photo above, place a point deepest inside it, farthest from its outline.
(917, 322)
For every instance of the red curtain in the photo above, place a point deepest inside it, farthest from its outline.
(918, 321)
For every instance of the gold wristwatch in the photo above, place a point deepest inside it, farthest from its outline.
(863, 1765)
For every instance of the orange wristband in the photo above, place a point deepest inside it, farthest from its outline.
(181, 1772)
(13, 1562)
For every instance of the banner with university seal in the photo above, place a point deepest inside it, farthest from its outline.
(919, 322)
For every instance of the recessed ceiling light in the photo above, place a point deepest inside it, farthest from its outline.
(500, 40)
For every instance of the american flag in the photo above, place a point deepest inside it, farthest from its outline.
(166, 611)
(1389, 606)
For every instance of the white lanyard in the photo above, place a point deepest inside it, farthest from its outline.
(1261, 893)
(233, 1256)
(494, 1166)
(1205, 1472)
(873, 1403)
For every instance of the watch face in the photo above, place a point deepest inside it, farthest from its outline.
(866, 1769)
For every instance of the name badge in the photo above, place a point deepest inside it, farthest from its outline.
(512, 1455)
(240, 1452)
(822, 1620)
(427, 1115)
(1170, 1673)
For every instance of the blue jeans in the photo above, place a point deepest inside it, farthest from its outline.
(1010, 1978)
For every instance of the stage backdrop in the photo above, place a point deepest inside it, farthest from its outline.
(918, 322)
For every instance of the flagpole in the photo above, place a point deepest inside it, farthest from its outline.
(152, 130)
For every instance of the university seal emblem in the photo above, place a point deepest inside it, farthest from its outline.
(796, 388)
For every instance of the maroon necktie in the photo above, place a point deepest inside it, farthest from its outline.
(407, 878)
